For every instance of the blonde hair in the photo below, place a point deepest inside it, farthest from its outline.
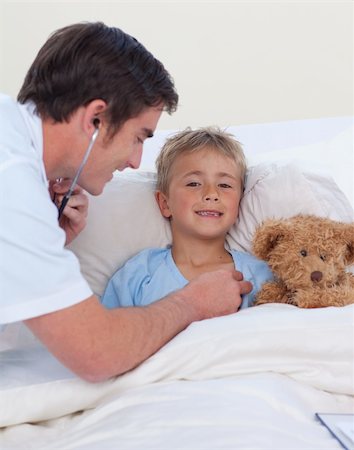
(188, 141)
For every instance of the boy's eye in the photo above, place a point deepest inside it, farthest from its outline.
(225, 185)
(193, 184)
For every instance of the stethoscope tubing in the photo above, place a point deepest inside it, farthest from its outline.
(78, 173)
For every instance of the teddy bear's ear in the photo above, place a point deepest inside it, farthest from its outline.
(347, 233)
(267, 236)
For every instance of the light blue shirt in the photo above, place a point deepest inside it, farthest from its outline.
(153, 274)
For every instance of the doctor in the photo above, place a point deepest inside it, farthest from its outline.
(88, 102)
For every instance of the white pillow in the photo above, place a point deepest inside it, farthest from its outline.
(283, 190)
(122, 221)
(334, 157)
(125, 218)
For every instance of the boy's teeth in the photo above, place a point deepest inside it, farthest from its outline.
(208, 213)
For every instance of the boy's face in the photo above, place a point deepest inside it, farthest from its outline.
(203, 196)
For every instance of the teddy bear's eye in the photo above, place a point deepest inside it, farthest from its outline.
(303, 253)
(323, 257)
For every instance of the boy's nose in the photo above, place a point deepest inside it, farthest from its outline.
(211, 197)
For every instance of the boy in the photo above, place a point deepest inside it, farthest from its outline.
(200, 175)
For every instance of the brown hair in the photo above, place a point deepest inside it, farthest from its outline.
(87, 61)
(192, 140)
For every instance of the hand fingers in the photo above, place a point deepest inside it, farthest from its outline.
(75, 216)
(245, 287)
(77, 202)
(238, 275)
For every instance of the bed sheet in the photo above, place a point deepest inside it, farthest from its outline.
(260, 411)
(254, 379)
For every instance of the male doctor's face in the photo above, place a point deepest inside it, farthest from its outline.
(122, 151)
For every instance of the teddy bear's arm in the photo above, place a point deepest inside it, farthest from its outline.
(272, 292)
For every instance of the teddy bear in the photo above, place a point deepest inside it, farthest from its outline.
(309, 257)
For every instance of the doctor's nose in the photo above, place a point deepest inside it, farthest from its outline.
(135, 158)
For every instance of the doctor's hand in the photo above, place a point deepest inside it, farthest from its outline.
(216, 293)
(73, 219)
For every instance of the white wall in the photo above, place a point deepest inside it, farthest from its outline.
(233, 62)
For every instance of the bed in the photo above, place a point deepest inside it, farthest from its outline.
(251, 380)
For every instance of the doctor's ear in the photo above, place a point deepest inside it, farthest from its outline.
(96, 122)
(162, 202)
(93, 113)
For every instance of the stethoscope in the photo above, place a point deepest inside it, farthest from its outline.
(67, 196)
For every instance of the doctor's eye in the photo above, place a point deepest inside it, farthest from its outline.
(303, 253)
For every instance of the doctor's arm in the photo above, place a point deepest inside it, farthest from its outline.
(97, 343)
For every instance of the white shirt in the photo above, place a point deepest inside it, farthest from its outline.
(37, 274)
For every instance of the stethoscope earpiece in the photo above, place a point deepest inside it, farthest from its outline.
(96, 122)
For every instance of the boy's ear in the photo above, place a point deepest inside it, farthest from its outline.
(162, 202)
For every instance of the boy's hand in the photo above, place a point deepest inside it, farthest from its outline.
(73, 219)
(216, 293)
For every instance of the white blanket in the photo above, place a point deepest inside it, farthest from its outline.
(250, 380)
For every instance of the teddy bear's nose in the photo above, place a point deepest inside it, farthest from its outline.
(316, 276)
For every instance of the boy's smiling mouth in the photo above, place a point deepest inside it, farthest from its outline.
(209, 213)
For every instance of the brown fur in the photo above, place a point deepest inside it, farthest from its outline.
(297, 247)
